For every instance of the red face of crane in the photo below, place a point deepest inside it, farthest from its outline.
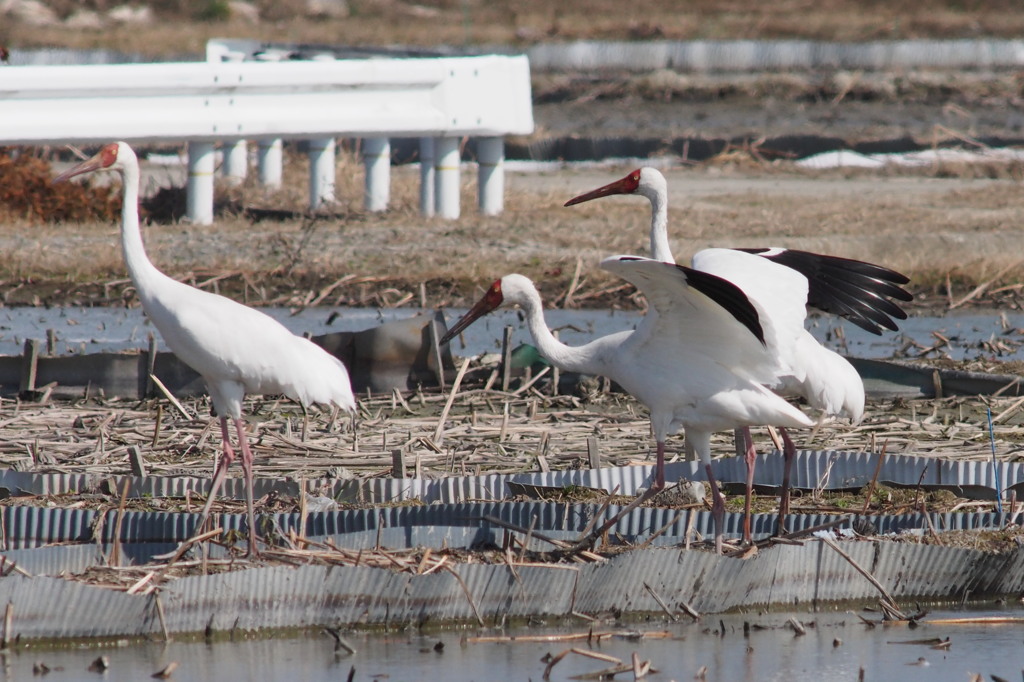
(491, 300)
(626, 185)
(105, 158)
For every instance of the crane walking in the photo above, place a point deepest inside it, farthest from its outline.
(780, 288)
(697, 359)
(236, 349)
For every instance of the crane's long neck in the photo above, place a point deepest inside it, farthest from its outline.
(567, 358)
(143, 273)
(660, 249)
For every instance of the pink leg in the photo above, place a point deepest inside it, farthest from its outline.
(751, 458)
(717, 509)
(659, 468)
(247, 471)
(220, 473)
(788, 453)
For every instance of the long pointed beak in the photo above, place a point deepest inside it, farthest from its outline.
(482, 307)
(617, 187)
(87, 166)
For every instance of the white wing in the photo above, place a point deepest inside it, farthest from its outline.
(779, 293)
(224, 340)
(695, 311)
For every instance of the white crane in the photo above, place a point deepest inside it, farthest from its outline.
(236, 349)
(858, 291)
(697, 359)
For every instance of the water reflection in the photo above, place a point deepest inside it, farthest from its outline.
(771, 651)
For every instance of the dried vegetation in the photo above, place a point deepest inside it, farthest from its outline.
(183, 26)
(28, 194)
(487, 431)
(266, 249)
(951, 236)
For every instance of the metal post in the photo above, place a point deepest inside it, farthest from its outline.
(236, 161)
(377, 167)
(427, 176)
(447, 178)
(199, 202)
(321, 172)
(269, 158)
(490, 152)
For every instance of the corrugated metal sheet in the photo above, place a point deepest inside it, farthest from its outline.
(54, 608)
(1003, 574)
(829, 470)
(273, 597)
(459, 525)
(71, 559)
(34, 526)
(782, 576)
(27, 483)
(363, 595)
(287, 597)
(792, 576)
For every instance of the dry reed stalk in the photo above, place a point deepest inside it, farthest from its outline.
(887, 599)
(597, 655)
(552, 661)
(63, 435)
(8, 626)
(538, 564)
(606, 673)
(115, 552)
(439, 432)
(664, 607)
(874, 477)
(980, 620)
(566, 637)
(980, 289)
(465, 590)
(184, 547)
(135, 588)
(567, 301)
(167, 394)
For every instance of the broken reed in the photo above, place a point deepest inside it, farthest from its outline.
(485, 431)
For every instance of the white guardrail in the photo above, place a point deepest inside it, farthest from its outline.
(438, 100)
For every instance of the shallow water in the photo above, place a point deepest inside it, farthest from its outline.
(775, 653)
(91, 330)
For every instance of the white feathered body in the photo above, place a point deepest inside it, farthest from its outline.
(689, 360)
(239, 350)
(805, 368)
(236, 349)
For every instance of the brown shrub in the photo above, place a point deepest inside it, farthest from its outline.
(27, 192)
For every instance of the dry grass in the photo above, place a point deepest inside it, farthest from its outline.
(955, 239)
(449, 22)
(488, 431)
(941, 231)
(479, 437)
